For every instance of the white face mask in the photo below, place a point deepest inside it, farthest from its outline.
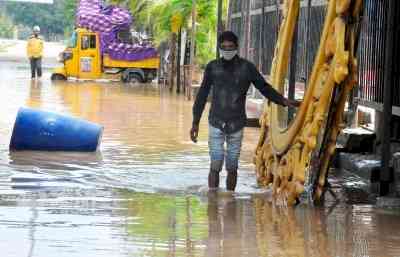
(227, 54)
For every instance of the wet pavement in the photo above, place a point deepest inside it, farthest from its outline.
(144, 193)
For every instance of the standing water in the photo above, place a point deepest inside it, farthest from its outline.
(144, 193)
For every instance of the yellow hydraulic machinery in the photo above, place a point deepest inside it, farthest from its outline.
(294, 160)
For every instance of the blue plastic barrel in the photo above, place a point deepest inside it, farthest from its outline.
(47, 131)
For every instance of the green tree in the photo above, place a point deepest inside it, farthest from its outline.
(69, 15)
(52, 19)
(6, 26)
(206, 23)
(155, 17)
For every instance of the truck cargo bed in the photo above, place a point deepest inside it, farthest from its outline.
(150, 63)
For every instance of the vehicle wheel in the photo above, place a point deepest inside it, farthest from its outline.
(135, 78)
(148, 81)
(57, 77)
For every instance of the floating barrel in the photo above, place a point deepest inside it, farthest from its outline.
(47, 131)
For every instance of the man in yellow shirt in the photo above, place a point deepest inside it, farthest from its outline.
(35, 52)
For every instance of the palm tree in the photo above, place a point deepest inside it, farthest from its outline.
(154, 16)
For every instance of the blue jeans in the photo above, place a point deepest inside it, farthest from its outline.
(216, 141)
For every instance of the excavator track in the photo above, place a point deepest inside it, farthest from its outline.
(294, 160)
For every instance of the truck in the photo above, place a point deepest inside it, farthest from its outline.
(101, 47)
(82, 59)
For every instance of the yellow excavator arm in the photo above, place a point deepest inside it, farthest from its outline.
(294, 160)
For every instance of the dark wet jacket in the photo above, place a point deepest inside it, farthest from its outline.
(229, 82)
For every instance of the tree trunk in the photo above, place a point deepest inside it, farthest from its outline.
(246, 18)
(178, 63)
(172, 61)
(229, 18)
(192, 45)
(219, 24)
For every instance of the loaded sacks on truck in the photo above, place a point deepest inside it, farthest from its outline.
(109, 21)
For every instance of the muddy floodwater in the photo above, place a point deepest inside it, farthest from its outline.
(144, 192)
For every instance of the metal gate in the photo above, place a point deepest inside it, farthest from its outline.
(371, 55)
(256, 23)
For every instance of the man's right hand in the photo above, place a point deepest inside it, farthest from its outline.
(194, 132)
(292, 103)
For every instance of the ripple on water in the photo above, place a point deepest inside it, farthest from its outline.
(144, 193)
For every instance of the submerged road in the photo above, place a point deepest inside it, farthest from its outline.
(144, 192)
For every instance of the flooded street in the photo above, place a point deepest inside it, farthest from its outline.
(144, 193)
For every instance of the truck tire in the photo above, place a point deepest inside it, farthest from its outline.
(55, 77)
(135, 78)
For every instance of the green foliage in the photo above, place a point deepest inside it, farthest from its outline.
(155, 16)
(206, 36)
(52, 19)
(69, 15)
(151, 16)
(6, 26)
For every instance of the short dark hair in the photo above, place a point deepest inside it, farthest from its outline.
(228, 36)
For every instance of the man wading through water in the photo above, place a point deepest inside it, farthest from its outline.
(229, 78)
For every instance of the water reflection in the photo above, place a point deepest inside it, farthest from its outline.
(284, 231)
(145, 144)
(143, 193)
(32, 229)
(126, 223)
(56, 160)
(230, 228)
(166, 225)
(221, 224)
(35, 99)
